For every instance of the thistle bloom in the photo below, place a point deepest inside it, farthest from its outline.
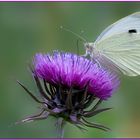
(72, 71)
(71, 84)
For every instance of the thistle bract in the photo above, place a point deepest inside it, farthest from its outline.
(71, 84)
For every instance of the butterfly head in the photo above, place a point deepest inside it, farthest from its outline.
(89, 47)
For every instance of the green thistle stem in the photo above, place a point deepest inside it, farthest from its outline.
(60, 127)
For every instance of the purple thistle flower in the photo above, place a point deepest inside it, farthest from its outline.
(71, 84)
(70, 70)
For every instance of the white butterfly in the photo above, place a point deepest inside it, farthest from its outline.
(118, 46)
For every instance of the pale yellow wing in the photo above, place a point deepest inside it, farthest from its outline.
(120, 44)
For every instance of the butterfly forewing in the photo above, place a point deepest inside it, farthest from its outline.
(120, 44)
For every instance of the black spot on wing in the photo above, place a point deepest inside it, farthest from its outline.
(131, 31)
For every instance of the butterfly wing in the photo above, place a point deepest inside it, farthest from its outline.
(120, 44)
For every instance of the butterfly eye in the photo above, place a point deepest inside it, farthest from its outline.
(132, 31)
(88, 47)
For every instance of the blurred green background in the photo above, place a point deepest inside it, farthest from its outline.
(28, 28)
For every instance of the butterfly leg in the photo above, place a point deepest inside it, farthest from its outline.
(97, 62)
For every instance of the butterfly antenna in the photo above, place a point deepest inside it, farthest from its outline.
(78, 46)
(77, 43)
(82, 38)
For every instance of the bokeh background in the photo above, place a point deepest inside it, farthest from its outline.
(28, 28)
